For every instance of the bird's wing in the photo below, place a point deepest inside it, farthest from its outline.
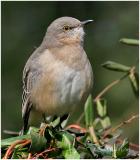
(26, 90)
(31, 74)
(30, 77)
(26, 103)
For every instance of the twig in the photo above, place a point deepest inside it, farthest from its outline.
(25, 143)
(124, 123)
(11, 148)
(103, 92)
(109, 87)
(132, 69)
(93, 135)
(80, 118)
(29, 156)
(120, 125)
(10, 132)
(46, 151)
(83, 130)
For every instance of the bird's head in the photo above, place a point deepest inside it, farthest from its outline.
(66, 30)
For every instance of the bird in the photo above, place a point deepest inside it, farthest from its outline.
(57, 77)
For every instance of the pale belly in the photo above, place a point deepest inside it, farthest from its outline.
(61, 89)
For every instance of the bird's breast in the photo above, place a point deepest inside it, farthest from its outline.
(61, 86)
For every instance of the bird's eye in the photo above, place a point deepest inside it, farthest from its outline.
(66, 28)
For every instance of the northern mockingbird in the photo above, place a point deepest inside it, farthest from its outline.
(57, 77)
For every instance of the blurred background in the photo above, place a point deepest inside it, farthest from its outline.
(23, 27)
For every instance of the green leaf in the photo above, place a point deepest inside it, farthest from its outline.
(101, 107)
(134, 79)
(15, 154)
(67, 146)
(123, 150)
(71, 153)
(38, 142)
(116, 66)
(128, 41)
(89, 117)
(51, 133)
(33, 129)
(55, 122)
(106, 122)
(67, 140)
(9, 141)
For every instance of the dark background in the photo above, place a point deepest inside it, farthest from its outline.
(23, 27)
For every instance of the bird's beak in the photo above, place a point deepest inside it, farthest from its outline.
(86, 22)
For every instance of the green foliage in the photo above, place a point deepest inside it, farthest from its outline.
(116, 66)
(123, 149)
(101, 107)
(9, 141)
(89, 111)
(128, 41)
(97, 140)
(67, 145)
(38, 142)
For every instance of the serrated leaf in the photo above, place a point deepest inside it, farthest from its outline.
(134, 79)
(9, 141)
(128, 41)
(101, 107)
(106, 122)
(38, 142)
(116, 66)
(89, 117)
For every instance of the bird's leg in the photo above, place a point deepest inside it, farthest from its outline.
(44, 118)
(60, 126)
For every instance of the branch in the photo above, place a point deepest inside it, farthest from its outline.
(44, 152)
(124, 123)
(93, 135)
(109, 87)
(11, 148)
(109, 131)
(75, 126)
